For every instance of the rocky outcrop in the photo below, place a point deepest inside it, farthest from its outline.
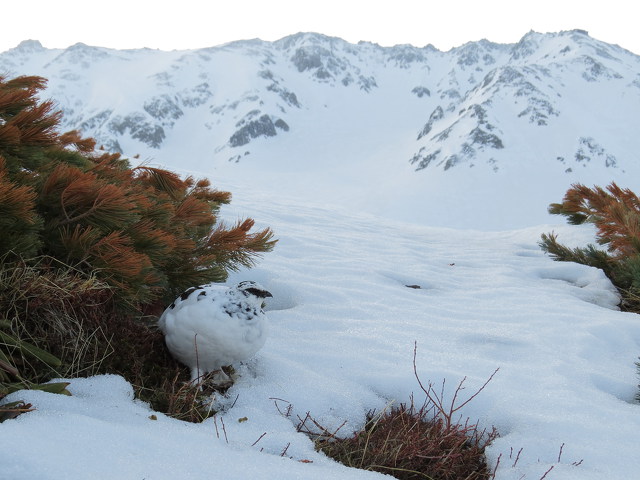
(263, 126)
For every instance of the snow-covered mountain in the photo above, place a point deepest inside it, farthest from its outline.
(484, 135)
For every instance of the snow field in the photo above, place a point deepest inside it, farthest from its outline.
(343, 329)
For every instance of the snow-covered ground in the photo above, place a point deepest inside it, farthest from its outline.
(343, 328)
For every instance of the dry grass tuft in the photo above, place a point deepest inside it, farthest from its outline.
(74, 318)
(413, 443)
(408, 442)
(58, 308)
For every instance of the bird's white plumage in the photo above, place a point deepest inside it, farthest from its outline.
(212, 326)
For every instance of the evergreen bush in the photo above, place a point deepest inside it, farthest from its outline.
(144, 231)
(615, 212)
(91, 245)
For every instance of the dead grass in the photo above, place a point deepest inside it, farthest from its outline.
(413, 443)
(58, 310)
(74, 318)
(410, 442)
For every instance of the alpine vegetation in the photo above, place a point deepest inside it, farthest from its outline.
(615, 212)
(90, 244)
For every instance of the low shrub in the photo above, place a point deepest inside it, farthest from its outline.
(144, 231)
(413, 443)
(409, 443)
(91, 251)
(615, 212)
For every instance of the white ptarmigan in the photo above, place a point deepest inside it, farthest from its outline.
(211, 326)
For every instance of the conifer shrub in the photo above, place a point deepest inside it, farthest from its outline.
(615, 212)
(93, 248)
(144, 231)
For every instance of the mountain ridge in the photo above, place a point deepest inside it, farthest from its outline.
(562, 103)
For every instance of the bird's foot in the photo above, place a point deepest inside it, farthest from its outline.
(223, 379)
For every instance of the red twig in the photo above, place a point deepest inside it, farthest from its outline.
(517, 458)
(545, 473)
(495, 468)
(302, 427)
(215, 424)
(259, 438)
(224, 430)
(560, 453)
(438, 400)
(287, 412)
(284, 452)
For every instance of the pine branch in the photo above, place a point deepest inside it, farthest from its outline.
(590, 255)
(161, 180)
(73, 138)
(136, 228)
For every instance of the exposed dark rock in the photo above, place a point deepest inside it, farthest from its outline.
(195, 96)
(590, 150)
(366, 83)
(451, 161)
(480, 137)
(281, 124)
(422, 161)
(139, 128)
(525, 47)
(328, 66)
(595, 70)
(164, 109)
(289, 97)
(112, 146)
(262, 127)
(436, 115)
(318, 59)
(421, 92)
(404, 56)
(478, 112)
(95, 122)
(451, 93)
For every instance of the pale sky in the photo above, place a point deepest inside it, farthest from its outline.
(187, 24)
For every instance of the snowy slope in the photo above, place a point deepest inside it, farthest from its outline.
(358, 220)
(483, 136)
(343, 327)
